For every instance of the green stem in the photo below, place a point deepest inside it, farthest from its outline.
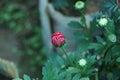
(84, 69)
(108, 32)
(96, 76)
(63, 49)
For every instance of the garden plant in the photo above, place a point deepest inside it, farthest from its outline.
(98, 54)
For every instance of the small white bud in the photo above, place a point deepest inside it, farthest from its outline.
(79, 5)
(98, 57)
(103, 22)
(96, 69)
(82, 62)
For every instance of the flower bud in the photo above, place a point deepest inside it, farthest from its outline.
(98, 57)
(82, 62)
(112, 37)
(79, 5)
(96, 69)
(103, 22)
(58, 39)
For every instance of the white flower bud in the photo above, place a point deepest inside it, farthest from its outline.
(103, 22)
(112, 37)
(96, 69)
(79, 5)
(98, 57)
(82, 62)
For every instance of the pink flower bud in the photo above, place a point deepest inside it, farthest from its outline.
(58, 39)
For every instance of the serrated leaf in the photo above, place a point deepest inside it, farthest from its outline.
(26, 77)
(49, 70)
(73, 70)
(91, 60)
(60, 61)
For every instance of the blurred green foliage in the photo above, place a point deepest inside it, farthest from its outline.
(22, 17)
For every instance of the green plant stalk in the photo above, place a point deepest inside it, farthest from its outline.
(96, 76)
(63, 49)
(84, 69)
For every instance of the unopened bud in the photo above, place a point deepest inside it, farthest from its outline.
(103, 22)
(79, 5)
(112, 37)
(82, 62)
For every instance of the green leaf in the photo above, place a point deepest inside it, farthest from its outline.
(116, 50)
(83, 46)
(111, 26)
(60, 61)
(50, 71)
(108, 57)
(95, 46)
(74, 24)
(110, 76)
(68, 77)
(86, 78)
(76, 77)
(91, 60)
(81, 35)
(115, 9)
(118, 59)
(73, 70)
(62, 75)
(112, 37)
(100, 40)
(26, 77)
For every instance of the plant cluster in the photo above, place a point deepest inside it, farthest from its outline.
(98, 55)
